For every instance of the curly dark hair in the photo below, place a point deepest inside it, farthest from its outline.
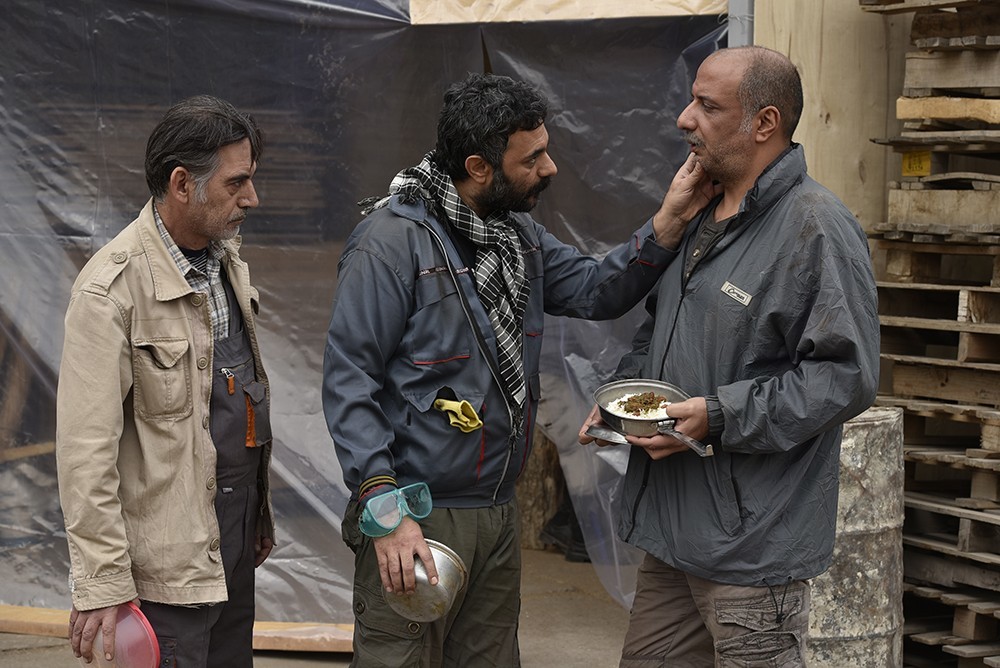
(190, 136)
(479, 115)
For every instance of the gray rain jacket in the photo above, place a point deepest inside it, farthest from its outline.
(780, 321)
(401, 336)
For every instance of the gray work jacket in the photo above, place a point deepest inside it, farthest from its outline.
(780, 321)
(407, 328)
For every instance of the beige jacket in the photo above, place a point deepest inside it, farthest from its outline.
(136, 462)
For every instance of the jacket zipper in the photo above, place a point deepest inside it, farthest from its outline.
(484, 350)
(638, 497)
(230, 380)
(649, 464)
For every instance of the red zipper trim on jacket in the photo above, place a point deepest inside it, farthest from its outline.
(447, 359)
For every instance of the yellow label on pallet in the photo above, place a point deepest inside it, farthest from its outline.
(917, 163)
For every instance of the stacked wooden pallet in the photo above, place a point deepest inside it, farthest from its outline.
(938, 259)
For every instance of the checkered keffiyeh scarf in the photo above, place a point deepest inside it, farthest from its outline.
(499, 270)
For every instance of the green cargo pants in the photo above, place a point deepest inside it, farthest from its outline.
(481, 627)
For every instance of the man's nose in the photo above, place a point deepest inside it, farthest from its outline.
(249, 196)
(548, 166)
(685, 119)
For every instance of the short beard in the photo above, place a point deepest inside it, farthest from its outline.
(505, 196)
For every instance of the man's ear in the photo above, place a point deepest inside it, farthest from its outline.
(181, 185)
(479, 170)
(768, 122)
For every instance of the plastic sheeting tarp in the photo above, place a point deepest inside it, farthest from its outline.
(347, 94)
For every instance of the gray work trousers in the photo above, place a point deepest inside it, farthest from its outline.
(682, 621)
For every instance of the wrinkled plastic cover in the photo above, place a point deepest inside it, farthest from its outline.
(347, 93)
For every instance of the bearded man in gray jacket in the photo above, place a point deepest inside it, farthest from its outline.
(431, 373)
(767, 316)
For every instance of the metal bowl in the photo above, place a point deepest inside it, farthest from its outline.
(430, 602)
(624, 423)
(630, 424)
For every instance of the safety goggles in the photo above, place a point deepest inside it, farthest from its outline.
(384, 512)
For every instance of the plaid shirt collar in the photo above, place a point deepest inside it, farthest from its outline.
(210, 284)
(216, 251)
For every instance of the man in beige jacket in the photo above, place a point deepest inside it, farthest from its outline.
(163, 434)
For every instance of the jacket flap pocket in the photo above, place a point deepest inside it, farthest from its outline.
(165, 352)
(760, 613)
(425, 401)
(255, 391)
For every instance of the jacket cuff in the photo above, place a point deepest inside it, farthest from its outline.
(716, 419)
(374, 486)
(103, 592)
(649, 252)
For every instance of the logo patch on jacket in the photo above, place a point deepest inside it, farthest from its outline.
(737, 294)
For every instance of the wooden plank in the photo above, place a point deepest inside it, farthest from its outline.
(935, 504)
(983, 559)
(990, 607)
(922, 235)
(952, 70)
(913, 5)
(951, 322)
(940, 263)
(977, 20)
(954, 459)
(34, 621)
(951, 178)
(940, 324)
(303, 637)
(973, 650)
(292, 636)
(938, 248)
(943, 142)
(946, 210)
(24, 451)
(937, 638)
(948, 108)
(961, 412)
(894, 233)
(949, 380)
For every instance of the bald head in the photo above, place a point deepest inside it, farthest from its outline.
(769, 80)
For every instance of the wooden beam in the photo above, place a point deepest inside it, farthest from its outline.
(948, 109)
(952, 70)
(946, 210)
(289, 636)
(913, 5)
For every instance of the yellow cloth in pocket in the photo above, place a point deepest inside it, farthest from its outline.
(461, 414)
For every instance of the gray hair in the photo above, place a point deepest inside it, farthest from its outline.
(190, 136)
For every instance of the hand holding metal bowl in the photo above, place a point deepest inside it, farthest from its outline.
(624, 424)
(430, 602)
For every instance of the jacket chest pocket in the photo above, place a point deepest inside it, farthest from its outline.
(161, 378)
(438, 330)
